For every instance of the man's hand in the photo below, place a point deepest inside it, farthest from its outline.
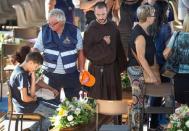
(83, 79)
(55, 92)
(107, 39)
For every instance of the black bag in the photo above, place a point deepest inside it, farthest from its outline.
(171, 66)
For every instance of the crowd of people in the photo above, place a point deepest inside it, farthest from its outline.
(119, 36)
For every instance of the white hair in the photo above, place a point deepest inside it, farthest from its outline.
(59, 14)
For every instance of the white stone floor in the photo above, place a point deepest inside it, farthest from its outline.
(26, 124)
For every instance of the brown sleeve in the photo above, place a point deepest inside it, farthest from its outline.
(96, 49)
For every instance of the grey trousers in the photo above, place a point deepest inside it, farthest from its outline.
(46, 111)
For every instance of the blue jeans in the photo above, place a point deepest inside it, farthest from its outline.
(46, 110)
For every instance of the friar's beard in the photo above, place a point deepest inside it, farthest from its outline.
(101, 21)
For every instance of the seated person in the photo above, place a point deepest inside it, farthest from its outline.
(19, 58)
(22, 82)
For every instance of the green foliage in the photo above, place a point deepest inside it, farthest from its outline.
(125, 82)
(38, 73)
(73, 113)
(179, 121)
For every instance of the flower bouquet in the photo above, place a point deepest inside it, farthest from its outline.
(73, 113)
(179, 121)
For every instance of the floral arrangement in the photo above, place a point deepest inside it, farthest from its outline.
(125, 80)
(179, 121)
(73, 113)
(38, 73)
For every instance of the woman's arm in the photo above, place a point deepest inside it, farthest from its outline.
(87, 5)
(140, 44)
(167, 52)
(49, 5)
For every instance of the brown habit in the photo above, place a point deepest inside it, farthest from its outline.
(106, 61)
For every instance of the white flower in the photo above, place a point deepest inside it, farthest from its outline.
(72, 107)
(68, 125)
(187, 123)
(77, 111)
(179, 130)
(72, 123)
(67, 102)
(177, 111)
(70, 118)
(178, 124)
(57, 120)
(66, 113)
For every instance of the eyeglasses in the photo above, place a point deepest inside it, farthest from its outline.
(154, 15)
(53, 24)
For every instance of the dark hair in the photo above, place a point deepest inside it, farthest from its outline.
(21, 54)
(36, 57)
(161, 15)
(161, 11)
(100, 5)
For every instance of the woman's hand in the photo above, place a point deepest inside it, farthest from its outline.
(154, 80)
(167, 52)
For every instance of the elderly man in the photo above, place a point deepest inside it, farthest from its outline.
(61, 44)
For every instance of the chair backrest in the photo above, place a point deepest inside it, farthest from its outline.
(111, 107)
(26, 33)
(9, 49)
(10, 104)
(164, 89)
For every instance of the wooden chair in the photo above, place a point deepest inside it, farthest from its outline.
(162, 90)
(20, 116)
(2, 118)
(26, 33)
(111, 107)
(7, 49)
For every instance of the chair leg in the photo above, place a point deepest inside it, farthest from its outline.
(21, 120)
(10, 118)
(148, 121)
(1, 90)
(97, 117)
(17, 122)
(141, 121)
(117, 120)
(97, 121)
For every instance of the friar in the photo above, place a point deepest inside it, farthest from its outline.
(103, 48)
